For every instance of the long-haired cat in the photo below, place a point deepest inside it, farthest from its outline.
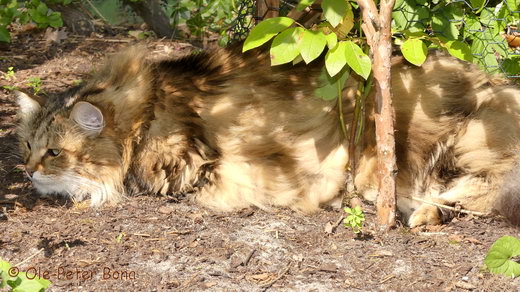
(235, 132)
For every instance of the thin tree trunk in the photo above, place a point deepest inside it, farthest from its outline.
(153, 15)
(377, 27)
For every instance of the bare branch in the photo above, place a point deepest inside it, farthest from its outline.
(450, 207)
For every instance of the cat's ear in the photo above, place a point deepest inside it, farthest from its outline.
(27, 103)
(88, 117)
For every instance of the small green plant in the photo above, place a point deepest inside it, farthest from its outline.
(9, 75)
(77, 82)
(20, 281)
(500, 257)
(9, 87)
(35, 83)
(119, 238)
(139, 34)
(35, 11)
(355, 219)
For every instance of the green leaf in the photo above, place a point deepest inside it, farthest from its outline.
(28, 285)
(460, 50)
(498, 259)
(4, 276)
(43, 282)
(334, 10)
(358, 60)
(472, 25)
(42, 8)
(332, 40)
(511, 66)
(55, 20)
(285, 46)
(415, 51)
(304, 4)
(24, 18)
(478, 46)
(477, 4)
(4, 266)
(445, 21)
(3, 279)
(297, 60)
(398, 4)
(512, 5)
(347, 23)
(336, 59)
(37, 17)
(411, 17)
(5, 36)
(490, 63)
(312, 45)
(266, 30)
(328, 88)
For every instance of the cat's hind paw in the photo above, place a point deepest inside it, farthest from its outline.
(425, 215)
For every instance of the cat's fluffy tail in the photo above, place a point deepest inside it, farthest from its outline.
(508, 202)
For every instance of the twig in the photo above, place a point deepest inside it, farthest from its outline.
(432, 233)
(338, 222)
(388, 278)
(331, 227)
(449, 207)
(248, 258)
(340, 109)
(108, 40)
(155, 239)
(268, 285)
(30, 257)
(179, 232)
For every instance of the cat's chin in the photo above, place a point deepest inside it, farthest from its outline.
(47, 184)
(75, 187)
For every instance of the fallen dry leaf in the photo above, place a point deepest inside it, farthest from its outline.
(55, 35)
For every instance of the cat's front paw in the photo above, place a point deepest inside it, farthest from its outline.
(425, 215)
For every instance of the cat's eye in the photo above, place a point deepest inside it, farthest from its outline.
(54, 152)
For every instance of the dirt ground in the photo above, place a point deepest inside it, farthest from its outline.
(151, 243)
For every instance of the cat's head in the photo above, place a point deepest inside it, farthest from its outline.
(68, 148)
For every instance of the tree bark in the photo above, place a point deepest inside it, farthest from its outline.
(153, 15)
(377, 27)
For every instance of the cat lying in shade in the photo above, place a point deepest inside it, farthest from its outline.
(235, 132)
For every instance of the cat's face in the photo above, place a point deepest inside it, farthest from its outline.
(64, 150)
